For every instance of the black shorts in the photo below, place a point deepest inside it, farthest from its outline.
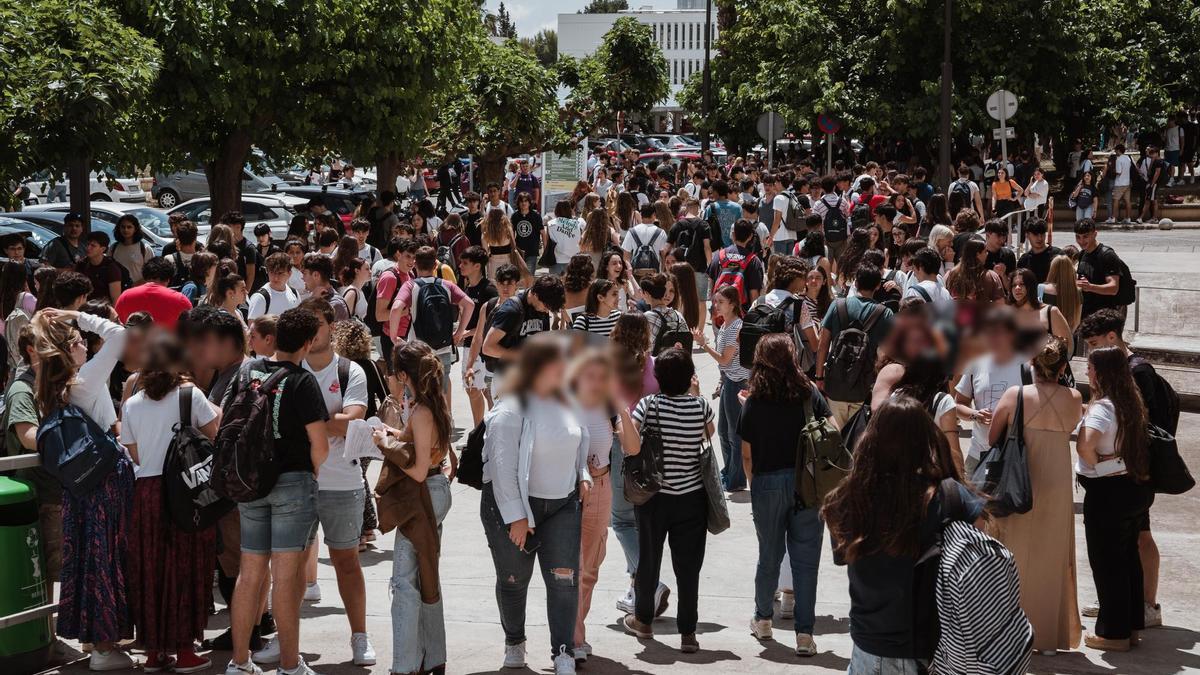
(1144, 526)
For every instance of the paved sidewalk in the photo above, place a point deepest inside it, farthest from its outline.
(476, 640)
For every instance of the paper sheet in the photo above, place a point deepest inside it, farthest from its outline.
(360, 442)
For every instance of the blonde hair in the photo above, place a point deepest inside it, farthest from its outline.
(351, 340)
(1069, 302)
(496, 227)
(56, 369)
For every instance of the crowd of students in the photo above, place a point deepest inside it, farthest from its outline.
(851, 300)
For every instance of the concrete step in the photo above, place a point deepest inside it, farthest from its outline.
(1176, 358)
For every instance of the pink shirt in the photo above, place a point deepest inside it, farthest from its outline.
(385, 288)
(404, 299)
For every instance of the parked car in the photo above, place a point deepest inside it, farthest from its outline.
(36, 237)
(672, 157)
(691, 142)
(338, 200)
(154, 222)
(643, 143)
(257, 209)
(171, 190)
(612, 146)
(43, 186)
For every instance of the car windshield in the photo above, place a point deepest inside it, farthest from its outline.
(153, 221)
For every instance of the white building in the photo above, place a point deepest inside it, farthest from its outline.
(680, 33)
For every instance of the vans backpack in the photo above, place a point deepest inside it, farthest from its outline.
(822, 460)
(731, 272)
(433, 315)
(245, 465)
(75, 450)
(850, 365)
(188, 494)
(834, 223)
(645, 257)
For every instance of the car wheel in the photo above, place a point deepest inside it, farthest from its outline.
(100, 197)
(168, 198)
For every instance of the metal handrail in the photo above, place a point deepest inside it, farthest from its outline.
(1137, 300)
(26, 461)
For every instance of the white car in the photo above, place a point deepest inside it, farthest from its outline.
(153, 221)
(274, 210)
(45, 187)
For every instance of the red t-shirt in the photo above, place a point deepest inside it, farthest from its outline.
(163, 304)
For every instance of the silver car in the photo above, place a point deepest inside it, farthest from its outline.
(153, 221)
(171, 190)
(268, 209)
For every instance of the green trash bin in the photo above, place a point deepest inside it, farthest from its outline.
(25, 647)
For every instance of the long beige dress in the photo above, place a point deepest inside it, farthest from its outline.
(1043, 541)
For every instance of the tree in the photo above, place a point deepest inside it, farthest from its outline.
(505, 27)
(543, 45)
(69, 73)
(605, 7)
(627, 73)
(396, 77)
(239, 74)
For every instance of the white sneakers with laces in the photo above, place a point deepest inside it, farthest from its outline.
(269, 653)
(364, 651)
(514, 656)
(312, 592)
(564, 663)
(625, 603)
(247, 668)
(113, 659)
(300, 669)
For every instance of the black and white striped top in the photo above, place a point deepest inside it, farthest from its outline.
(682, 422)
(596, 324)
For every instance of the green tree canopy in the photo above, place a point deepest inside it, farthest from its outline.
(544, 46)
(627, 73)
(605, 7)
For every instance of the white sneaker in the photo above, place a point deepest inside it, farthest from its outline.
(514, 656)
(564, 663)
(300, 669)
(269, 653)
(113, 659)
(312, 592)
(1110, 221)
(247, 668)
(1091, 611)
(760, 628)
(805, 645)
(1153, 615)
(626, 603)
(580, 654)
(364, 652)
(787, 605)
(662, 596)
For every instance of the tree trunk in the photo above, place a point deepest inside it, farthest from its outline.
(79, 182)
(225, 174)
(491, 168)
(387, 169)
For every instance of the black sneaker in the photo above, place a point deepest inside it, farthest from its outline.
(224, 641)
(266, 626)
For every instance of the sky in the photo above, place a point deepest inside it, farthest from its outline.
(534, 15)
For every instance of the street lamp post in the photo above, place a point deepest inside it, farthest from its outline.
(947, 73)
(704, 140)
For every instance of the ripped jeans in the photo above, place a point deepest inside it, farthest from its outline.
(555, 542)
(418, 630)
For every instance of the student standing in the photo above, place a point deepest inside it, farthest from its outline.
(734, 376)
(600, 311)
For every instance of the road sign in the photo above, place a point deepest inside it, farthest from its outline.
(561, 172)
(770, 126)
(828, 124)
(1002, 105)
(1007, 133)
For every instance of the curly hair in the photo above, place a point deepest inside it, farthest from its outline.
(579, 273)
(351, 340)
(776, 375)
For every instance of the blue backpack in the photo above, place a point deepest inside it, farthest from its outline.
(75, 450)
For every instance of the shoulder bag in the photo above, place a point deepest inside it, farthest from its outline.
(1003, 472)
(642, 474)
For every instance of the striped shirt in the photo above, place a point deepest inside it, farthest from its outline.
(728, 337)
(595, 324)
(681, 421)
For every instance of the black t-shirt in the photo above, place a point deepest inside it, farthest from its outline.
(1039, 263)
(247, 255)
(1096, 267)
(518, 319)
(697, 231)
(480, 293)
(961, 240)
(260, 269)
(772, 428)
(528, 228)
(301, 403)
(1003, 256)
(472, 227)
(100, 275)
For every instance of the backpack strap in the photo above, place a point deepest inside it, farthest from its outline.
(952, 504)
(843, 313)
(923, 293)
(1026, 374)
(343, 374)
(873, 318)
(636, 239)
(266, 296)
(185, 406)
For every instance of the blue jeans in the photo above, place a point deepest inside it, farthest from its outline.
(862, 663)
(780, 526)
(556, 546)
(1086, 212)
(531, 262)
(418, 629)
(783, 247)
(624, 520)
(557, 269)
(733, 477)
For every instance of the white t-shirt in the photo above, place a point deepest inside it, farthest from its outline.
(296, 283)
(339, 473)
(1101, 416)
(149, 424)
(1036, 194)
(1122, 167)
(360, 302)
(781, 204)
(565, 233)
(370, 254)
(600, 436)
(985, 381)
(1174, 138)
(281, 301)
(502, 206)
(943, 303)
(645, 233)
(556, 436)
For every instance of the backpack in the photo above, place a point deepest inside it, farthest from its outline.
(731, 272)
(245, 465)
(850, 365)
(433, 315)
(889, 299)
(446, 255)
(470, 458)
(183, 272)
(835, 222)
(687, 236)
(1166, 400)
(962, 189)
(991, 170)
(981, 626)
(188, 494)
(75, 450)
(1127, 288)
(796, 218)
(822, 460)
(670, 333)
(762, 319)
(644, 258)
(266, 296)
(369, 289)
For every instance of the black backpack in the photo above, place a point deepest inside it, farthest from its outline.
(762, 319)
(962, 189)
(265, 294)
(834, 222)
(75, 450)
(245, 465)
(850, 364)
(433, 315)
(183, 272)
(1127, 288)
(188, 494)
(889, 299)
(369, 290)
(687, 235)
(446, 255)
(644, 257)
(470, 458)
(670, 333)
(1165, 414)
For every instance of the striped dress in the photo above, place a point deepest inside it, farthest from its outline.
(682, 422)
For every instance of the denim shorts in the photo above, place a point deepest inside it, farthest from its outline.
(341, 515)
(284, 521)
(702, 283)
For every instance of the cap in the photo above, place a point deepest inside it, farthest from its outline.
(73, 215)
